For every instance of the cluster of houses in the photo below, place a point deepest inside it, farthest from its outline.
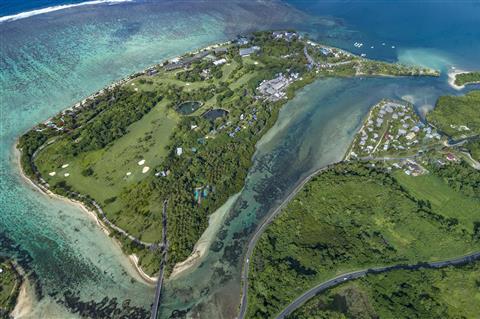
(393, 126)
(288, 36)
(410, 167)
(245, 121)
(275, 89)
(184, 62)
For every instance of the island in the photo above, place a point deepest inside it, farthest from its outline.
(10, 282)
(463, 78)
(405, 199)
(155, 154)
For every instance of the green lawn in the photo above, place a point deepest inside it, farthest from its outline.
(443, 200)
(353, 217)
(146, 140)
(451, 292)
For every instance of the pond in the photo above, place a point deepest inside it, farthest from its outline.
(214, 114)
(188, 107)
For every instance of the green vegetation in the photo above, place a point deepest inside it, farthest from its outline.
(9, 287)
(369, 67)
(473, 147)
(128, 148)
(354, 216)
(452, 292)
(392, 128)
(467, 78)
(457, 116)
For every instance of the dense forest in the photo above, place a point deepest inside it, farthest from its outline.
(465, 78)
(354, 216)
(457, 116)
(425, 293)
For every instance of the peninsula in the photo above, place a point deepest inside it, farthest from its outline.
(464, 78)
(405, 199)
(184, 132)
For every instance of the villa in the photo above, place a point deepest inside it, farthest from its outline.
(248, 51)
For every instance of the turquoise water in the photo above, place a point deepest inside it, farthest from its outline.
(48, 62)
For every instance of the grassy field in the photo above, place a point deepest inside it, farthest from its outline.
(457, 116)
(353, 217)
(452, 292)
(9, 288)
(443, 200)
(146, 140)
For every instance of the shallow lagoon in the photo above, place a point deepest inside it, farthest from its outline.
(49, 62)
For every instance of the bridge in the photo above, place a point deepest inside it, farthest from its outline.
(164, 247)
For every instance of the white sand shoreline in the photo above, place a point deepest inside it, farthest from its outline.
(201, 246)
(452, 74)
(149, 279)
(24, 304)
(134, 261)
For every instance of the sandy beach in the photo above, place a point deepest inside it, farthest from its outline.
(452, 73)
(25, 298)
(24, 304)
(214, 222)
(133, 260)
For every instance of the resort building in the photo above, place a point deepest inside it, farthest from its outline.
(248, 51)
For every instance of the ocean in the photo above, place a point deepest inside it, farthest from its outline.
(11, 7)
(49, 61)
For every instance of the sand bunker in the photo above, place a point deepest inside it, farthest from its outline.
(129, 173)
(64, 165)
(66, 174)
(141, 162)
(52, 173)
(145, 169)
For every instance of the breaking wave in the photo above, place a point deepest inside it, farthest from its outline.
(27, 14)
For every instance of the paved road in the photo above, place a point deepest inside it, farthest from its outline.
(158, 289)
(360, 273)
(335, 281)
(260, 230)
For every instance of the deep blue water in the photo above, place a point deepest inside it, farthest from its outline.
(9, 7)
(450, 29)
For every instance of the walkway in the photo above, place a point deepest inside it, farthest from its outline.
(158, 289)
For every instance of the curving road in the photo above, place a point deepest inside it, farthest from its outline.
(360, 273)
(261, 229)
(334, 281)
